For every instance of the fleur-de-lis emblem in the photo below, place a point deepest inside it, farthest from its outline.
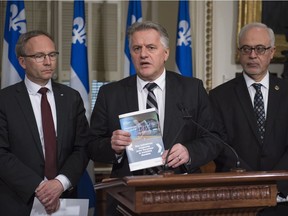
(184, 34)
(78, 31)
(133, 19)
(17, 20)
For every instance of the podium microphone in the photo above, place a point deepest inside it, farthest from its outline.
(165, 167)
(187, 116)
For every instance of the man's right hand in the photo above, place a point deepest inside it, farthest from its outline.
(119, 140)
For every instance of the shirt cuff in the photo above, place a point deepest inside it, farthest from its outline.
(119, 157)
(64, 181)
(189, 162)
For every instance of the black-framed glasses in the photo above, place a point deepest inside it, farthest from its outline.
(40, 57)
(259, 49)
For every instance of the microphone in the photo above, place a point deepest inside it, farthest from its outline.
(187, 116)
(165, 167)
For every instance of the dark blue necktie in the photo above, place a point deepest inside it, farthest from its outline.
(259, 110)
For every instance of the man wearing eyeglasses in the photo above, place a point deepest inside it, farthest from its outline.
(43, 133)
(252, 111)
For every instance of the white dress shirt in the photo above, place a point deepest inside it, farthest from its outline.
(159, 92)
(264, 89)
(35, 99)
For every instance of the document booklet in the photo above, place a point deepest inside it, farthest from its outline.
(68, 207)
(147, 145)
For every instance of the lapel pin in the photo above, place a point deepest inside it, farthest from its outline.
(61, 95)
(276, 87)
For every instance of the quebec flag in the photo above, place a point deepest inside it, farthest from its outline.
(15, 25)
(184, 41)
(134, 15)
(79, 80)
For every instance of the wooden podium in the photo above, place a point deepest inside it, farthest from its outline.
(232, 193)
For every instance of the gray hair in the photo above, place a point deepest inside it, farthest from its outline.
(257, 25)
(24, 38)
(147, 25)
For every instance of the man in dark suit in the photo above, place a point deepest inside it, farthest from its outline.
(259, 148)
(177, 96)
(22, 147)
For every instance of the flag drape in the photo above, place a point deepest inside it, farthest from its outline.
(79, 80)
(15, 25)
(184, 40)
(134, 15)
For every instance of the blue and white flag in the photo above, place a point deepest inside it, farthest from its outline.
(79, 79)
(85, 190)
(15, 25)
(184, 41)
(134, 15)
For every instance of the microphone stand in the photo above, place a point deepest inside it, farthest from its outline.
(234, 169)
(166, 171)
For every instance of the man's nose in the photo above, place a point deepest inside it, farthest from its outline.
(47, 60)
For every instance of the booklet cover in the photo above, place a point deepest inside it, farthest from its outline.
(147, 145)
(68, 207)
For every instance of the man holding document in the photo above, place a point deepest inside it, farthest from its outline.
(176, 96)
(43, 133)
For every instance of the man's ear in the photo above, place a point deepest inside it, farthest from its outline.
(167, 51)
(22, 62)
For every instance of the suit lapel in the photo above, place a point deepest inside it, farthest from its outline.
(274, 100)
(171, 121)
(28, 113)
(131, 94)
(61, 113)
(246, 104)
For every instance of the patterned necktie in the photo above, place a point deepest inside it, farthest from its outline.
(259, 110)
(151, 99)
(49, 136)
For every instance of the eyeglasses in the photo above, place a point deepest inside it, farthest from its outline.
(40, 57)
(259, 50)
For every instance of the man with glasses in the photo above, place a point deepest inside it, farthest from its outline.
(43, 133)
(252, 111)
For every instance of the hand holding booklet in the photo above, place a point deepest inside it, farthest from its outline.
(147, 146)
(68, 207)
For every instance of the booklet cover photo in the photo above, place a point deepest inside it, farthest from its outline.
(147, 146)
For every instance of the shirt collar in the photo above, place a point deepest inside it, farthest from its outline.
(33, 88)
(160, 81)
(264, 82)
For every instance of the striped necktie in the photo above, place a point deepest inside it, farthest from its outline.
(152, 103)
(151, 99)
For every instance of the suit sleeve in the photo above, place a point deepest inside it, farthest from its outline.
(14, 174)
(226, 158)
(204, 148)
(76, 136)
(101, 128)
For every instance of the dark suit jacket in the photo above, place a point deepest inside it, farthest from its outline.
(121, 97)
(21, 155)
(237, 122)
